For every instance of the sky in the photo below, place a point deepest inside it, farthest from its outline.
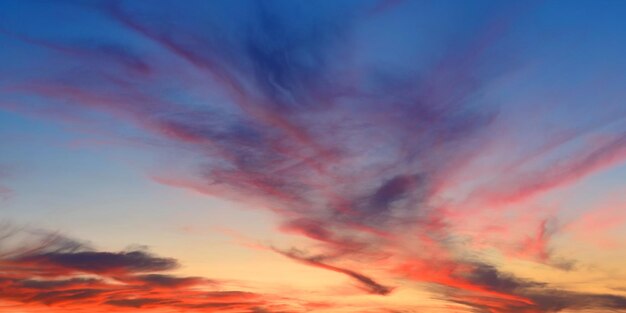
(370, 156)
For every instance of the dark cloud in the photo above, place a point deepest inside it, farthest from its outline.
(102, 262)
(139, 302)
(56, 284)
(490, 277)
(380, 202)
(168, 280)
(366, 282)
(523, 295)
(60, 296)
(551, 300)
(47, 269)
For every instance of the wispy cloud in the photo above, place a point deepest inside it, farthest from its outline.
(41, 269)
(318, 261)
(5, 192)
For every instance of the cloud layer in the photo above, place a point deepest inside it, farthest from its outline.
(41, 269)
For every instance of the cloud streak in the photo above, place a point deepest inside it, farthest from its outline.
(317, 261)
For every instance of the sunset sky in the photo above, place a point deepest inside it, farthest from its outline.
(367, 156)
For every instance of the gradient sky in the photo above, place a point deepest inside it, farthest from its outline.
(312, 156)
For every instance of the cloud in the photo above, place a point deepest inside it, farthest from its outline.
(57, 284)
(43, 270)
(508, 293)
(5, 192)
(368, 283)
(597, 156)
(100, 262)
(168, 281)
